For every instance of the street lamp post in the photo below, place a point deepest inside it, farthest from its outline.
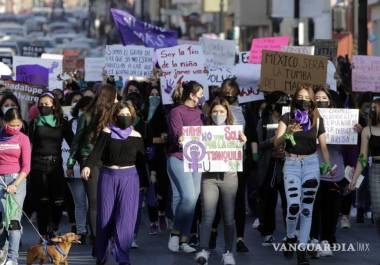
(221, 19)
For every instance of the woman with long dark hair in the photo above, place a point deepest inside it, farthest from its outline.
(90, 125)
(185, 186)
(10, 101)
(15, 157)
(121, 150)
(47, 132)
(300, 129)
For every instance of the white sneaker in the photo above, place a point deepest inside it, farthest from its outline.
(186, 248)
(256, 223)
(202, 257)
(345, 222)
(11, 262)
(3, 256)
(228, 259)
(326, 249)
(173, 244)
(134, 245)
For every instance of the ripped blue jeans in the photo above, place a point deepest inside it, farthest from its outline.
(301, 179)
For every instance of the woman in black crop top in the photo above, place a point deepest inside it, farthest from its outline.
(46, 134)
(370, 144)
(121, 150)
(300, 130)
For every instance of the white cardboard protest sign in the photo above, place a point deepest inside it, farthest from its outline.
(218, 52)
(248, 78)
(244, 57)
(93, 69)
(339, 125)
(212, 149)
(366, 73)
(217, 74)
(130, 60)
(181, 63)
(308, 50)
(54, 66)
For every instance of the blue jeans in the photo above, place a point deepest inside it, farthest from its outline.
(12, 236)
(301, 179)
(80, 200)
(185, 191)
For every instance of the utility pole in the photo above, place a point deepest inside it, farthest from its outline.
(296, 21)
(362, 27)
(221, 19)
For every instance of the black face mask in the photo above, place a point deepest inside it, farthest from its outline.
(322, 104)
(123, 122)
(231, 99)
(45, 110)
(303, 105)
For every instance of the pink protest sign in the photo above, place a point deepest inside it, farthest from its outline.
(366, 73)
(271, 44)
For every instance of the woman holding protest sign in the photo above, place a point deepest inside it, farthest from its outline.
(300, 129)
(328, 198)
(219, 185)
(185, 186)
(370, 144)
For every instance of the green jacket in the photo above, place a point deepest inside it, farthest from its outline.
(81, 146)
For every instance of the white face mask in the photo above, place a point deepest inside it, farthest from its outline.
(5, 109)
(219, 119)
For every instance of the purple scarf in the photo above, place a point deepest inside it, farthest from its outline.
(120, 134)
(302, 117)
(4, 136)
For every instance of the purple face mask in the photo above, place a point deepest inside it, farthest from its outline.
(302, 117)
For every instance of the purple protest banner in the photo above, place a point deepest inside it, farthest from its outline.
(134, 31)
(33, 74)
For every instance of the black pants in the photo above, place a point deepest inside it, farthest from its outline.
(91, 186)
(69, 204)
(326, 211)
(48, 186)
(162, 184)
(272, 186)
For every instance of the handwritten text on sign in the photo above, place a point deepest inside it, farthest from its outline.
(129, 60)
(93, 69)
(339, 125)
(248, 78)
(366, 73)
(270, 44)
(286, 72)
(179, 63)
(212, 149)
(219, 52)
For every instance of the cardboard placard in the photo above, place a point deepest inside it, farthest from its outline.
(327, 48)
(248, 78)
(270, 44)
(366, 73)
(131, 60)
(93, 69)
(217, 74)
(218, 52)
(308, 50)
(33, 74)
(281, 71)
(72, 61)
(24, 92)
(53, 65)
(212, 149)
(339, 125)
(243, 57)
(181, 63)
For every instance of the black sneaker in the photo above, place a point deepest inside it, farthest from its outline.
(288, 253)
(212, 241)
(83, 239)
(241, 247)
(100, 262)
(194, 241)
(360, 216)
(302, 258)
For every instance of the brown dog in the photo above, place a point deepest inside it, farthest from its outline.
(58, 251)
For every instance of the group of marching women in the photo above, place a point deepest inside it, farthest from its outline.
(125, 149)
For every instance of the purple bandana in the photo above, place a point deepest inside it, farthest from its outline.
(302, 117)
(4, 136)
(120, 134)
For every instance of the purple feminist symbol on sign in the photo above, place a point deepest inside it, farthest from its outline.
(194, 152)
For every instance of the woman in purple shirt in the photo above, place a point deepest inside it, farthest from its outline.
(185, 186)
